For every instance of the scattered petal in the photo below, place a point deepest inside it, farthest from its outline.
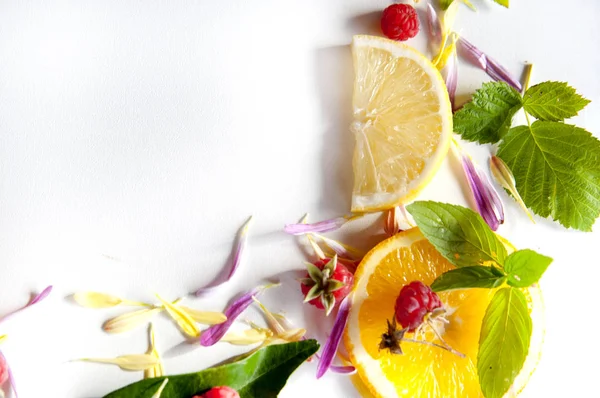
(2, 338)
(9, 376)
(317, 249)
(435, 26)
(321, 226)
(486, 198)
(237, 259)
(446, 23)
(158, 392)
(182, 318)
(130, 320)
(158, 369)
(271, 320)
(102, 300)
(331, 346)
(41, 296)
(340, 249)
(486, 63)
(346, 370)
(526, 77)
(214, 333)
(470, 5)
(391, 225)
(205, 317)
(450, 73)
(292, 335)
(247, 337)
(505, 177)
(134, 362)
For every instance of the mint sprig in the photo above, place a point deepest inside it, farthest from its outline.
(503, 342)
(460, 235)
(556, 166)
(525, 267)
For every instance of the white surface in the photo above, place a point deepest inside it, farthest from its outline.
(149, 130)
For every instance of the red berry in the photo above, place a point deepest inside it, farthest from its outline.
(219, 392)
(3, 371)
(413, 303)
(326, 293)
(400, 22)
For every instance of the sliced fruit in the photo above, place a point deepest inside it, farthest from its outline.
(402, 123)
(423, 371)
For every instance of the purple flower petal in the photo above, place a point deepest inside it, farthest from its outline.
(435, 27)
(321, 226)
(487, 63)
(486, 198)
(346, 370)
(451, 77)
(41, 296)
(11, 378)
(214, 333)
(237, 259)
(335, 337)
(342, 250)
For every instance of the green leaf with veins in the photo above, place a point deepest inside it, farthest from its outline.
(458, 233)
(490, 113)
(469, 277)
(503, 341)
(557, 170)
(525, 267)
(261, 375)
(553, 101)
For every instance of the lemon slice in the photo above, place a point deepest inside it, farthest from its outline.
(402, 123)
(423, 371)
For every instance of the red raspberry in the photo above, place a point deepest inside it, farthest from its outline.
(413, 303)
(400, 22)
(3, 371)
(219, 392)
(329, 286)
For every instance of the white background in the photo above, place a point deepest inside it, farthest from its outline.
(137, 136)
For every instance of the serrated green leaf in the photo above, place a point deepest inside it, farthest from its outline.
(489, 114)
(458, 233)
(525, 267)
(502, 2)
(469, 277)
(553, 101)
(444, 4)
(503, 342)
(261, 375)
(557, 170)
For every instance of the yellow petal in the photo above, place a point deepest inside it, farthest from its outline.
(447, 22)
(447, 53)
(157, 370)
(96, 300)
(469, 4)
(316, 247)
(130, 320)
(3, 337)
(293, 334)
(271, 320)
(504, 177)
(247, 337)
(205, 317)
(183, 320)
(132, 362)
(158, 392)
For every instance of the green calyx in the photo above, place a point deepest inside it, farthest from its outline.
(322, 284)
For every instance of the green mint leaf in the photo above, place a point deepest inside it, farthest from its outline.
(557, 170)
(458, 233)
(261, 375)
(553, 101)
(445, 4)
(502, 2)
(503, 342)
(468, 277)
(525, 267)
(489, 114)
